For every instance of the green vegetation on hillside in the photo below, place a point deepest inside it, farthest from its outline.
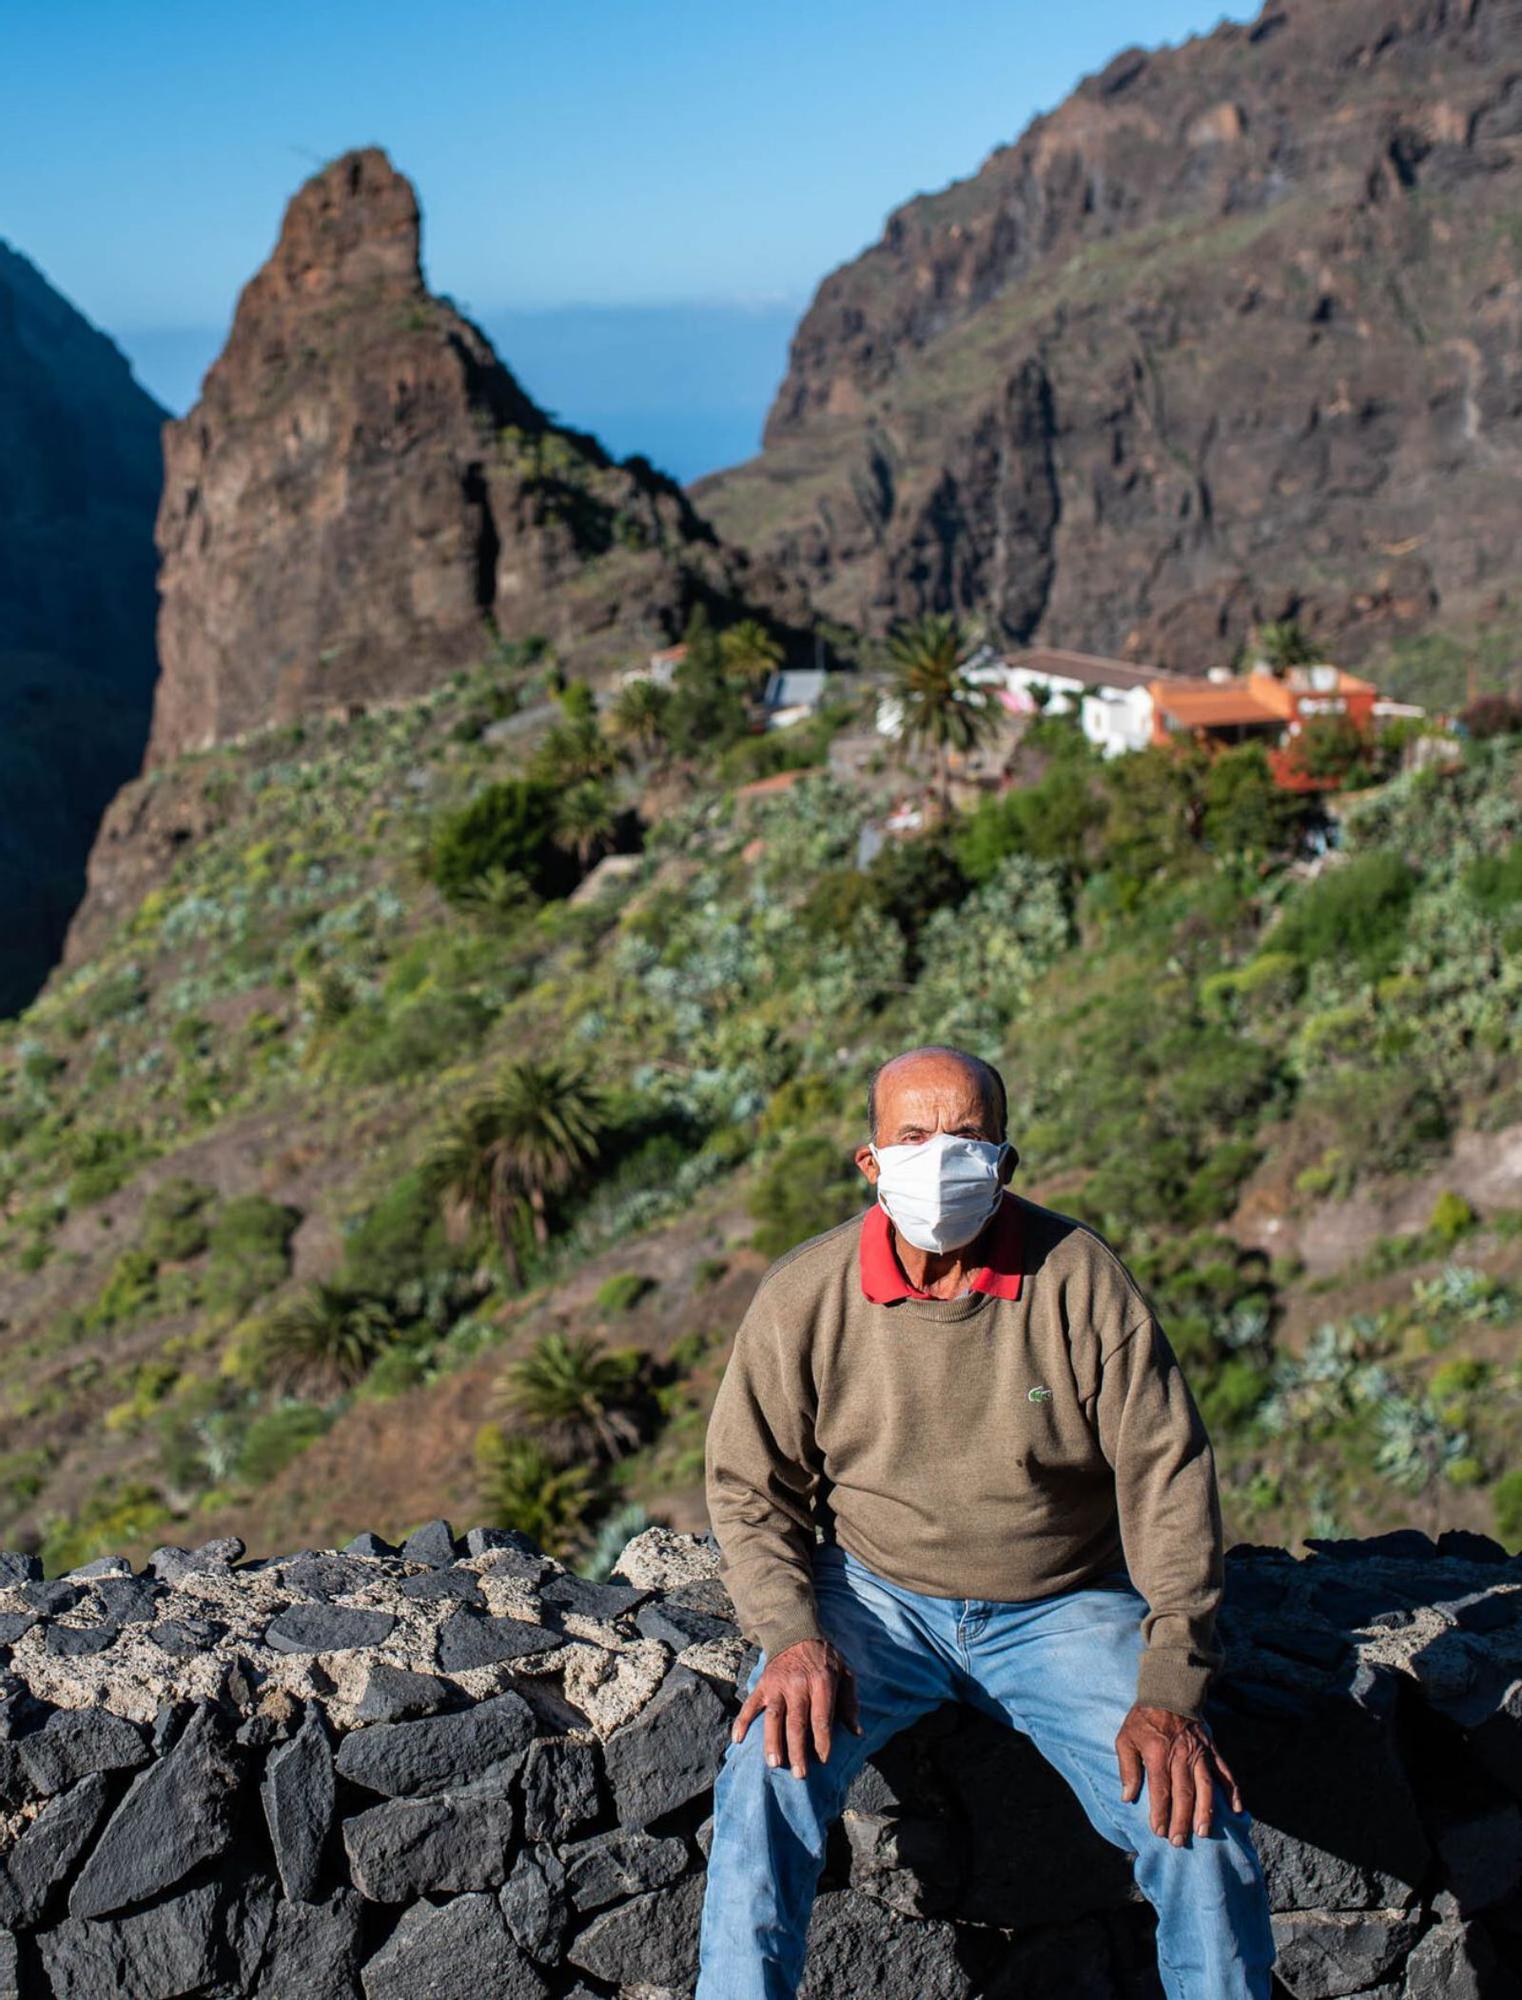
(356, 1093)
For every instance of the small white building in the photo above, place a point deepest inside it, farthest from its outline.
(1112, 697)
(793, 694)
(661, 668)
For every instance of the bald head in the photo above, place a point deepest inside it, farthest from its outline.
(949, 1088)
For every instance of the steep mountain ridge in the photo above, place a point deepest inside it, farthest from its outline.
(364, 497)
(79, 481)
(1233, 333)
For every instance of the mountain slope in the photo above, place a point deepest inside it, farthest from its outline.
(1234, 333)
(79, 481)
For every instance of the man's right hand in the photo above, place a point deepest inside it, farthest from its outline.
(804, 1690)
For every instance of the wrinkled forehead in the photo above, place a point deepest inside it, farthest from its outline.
(932, 1092)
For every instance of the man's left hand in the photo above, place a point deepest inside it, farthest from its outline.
(1180, 1759)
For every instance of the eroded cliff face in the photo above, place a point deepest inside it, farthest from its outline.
(1235, 332)
(79, 481)
(364, 497)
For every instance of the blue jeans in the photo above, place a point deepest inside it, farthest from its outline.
(1062, 1670)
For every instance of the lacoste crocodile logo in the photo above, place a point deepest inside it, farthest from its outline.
(1039, 1394)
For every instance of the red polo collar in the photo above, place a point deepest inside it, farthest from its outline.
(882, 1276)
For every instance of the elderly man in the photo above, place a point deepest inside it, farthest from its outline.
(953, 1458)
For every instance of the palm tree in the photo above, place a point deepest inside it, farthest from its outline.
(639, 716)
(326, 1337)
(573, 751)
(941, 709)
(532, 1134)
(1282, 645)
(585, 820)
(749, 652)
(499, 896)
(576, 1393)
(522, 1488)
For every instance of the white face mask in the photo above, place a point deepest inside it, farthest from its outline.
(939, 1193)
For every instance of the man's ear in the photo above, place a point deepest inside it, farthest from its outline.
(1008, 1164)
(868, 1165)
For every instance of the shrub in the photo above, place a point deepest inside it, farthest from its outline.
(249, 1244)
(1495, 881)
(622, 1292)
(175, 1224)
(277, 1436)
(400, 1240)
(1268, 984)
(810, 1186)
(1506, 1499)
(507, 826)
(1357, 911)
(1453, 1216)
(522, 1488)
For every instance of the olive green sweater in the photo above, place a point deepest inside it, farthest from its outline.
(910, 1433)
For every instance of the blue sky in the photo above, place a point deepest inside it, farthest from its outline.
(702, 163)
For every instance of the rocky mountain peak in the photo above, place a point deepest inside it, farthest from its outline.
(355, 224)
(365, 499)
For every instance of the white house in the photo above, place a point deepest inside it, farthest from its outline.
(1111, 696)
(792, 695)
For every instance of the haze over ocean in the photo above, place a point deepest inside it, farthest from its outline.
(687, 385)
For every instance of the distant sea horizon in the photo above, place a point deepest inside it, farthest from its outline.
(688, 385)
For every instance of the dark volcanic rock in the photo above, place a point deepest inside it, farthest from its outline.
(670, 1751)
(651, 1941)
(314, 1950)
(176, 1947)
(80, 1639)
(1324, 1953)
(183, 1638)
(561, 1788)
(298, 1794)
(392, 1694)
(440, 1753)
(624, 1862)
(677, 1627)
(591, 1600)
(326, 1628)
(459, 1952)
(73, 1742)
(1111, 390)
(468, 1639)
(853, 1939)
(177, 1812)
(430, 1846)
(326, 1577)
(534, 1903)
(45, 1852)
(433, 1544)
(460, 1583)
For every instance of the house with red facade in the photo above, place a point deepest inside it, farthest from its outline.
(1263, 707)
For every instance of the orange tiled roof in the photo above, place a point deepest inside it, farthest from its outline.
(1212, 704)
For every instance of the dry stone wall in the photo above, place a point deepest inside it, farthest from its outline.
(455, 1768)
